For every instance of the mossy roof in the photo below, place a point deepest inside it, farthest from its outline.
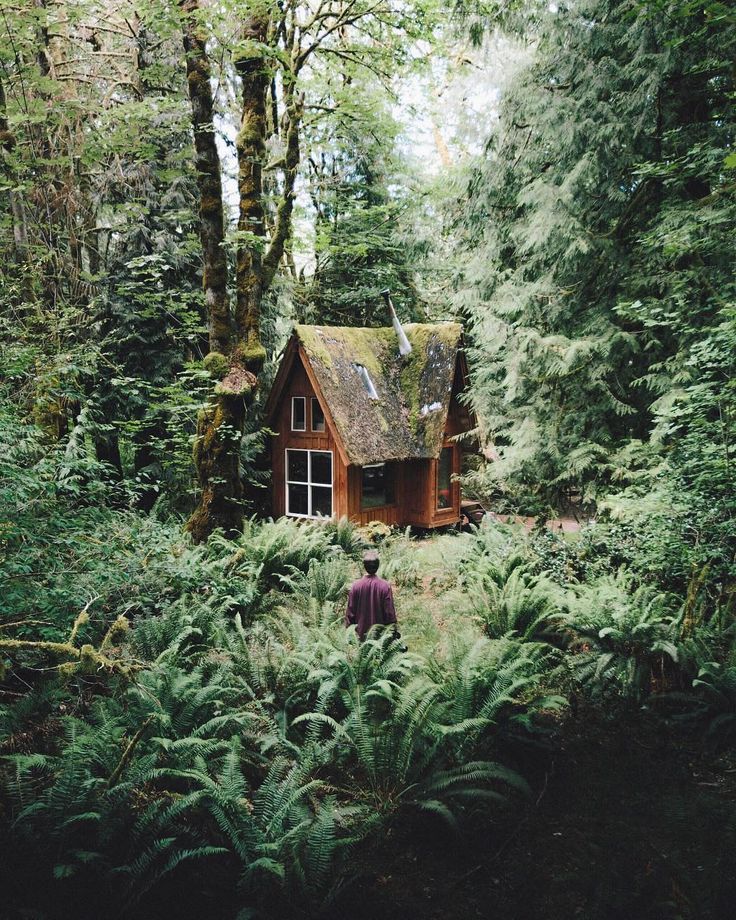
(407, 420)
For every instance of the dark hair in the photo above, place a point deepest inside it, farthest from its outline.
(371, 565)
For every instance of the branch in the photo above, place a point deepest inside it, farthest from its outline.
(342, 20)
(284, 211)
(127, 754)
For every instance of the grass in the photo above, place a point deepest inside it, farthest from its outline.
(429, 602)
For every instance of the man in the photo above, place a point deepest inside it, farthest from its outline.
(370, 600)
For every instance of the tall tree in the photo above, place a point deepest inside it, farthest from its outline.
(276, 58)
(597, 235)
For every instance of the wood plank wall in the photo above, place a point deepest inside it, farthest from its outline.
(299, 385)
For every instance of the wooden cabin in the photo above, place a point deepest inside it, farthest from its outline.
(364, 432)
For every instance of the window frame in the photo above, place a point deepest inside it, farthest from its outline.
(293, 403)
(323, 429)
(389, 470)
(309, 484)
(450, 485)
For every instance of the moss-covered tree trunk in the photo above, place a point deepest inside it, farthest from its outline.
(256, 262)
(220, 423)
(251, 66)
(209, 182)
(235, 360)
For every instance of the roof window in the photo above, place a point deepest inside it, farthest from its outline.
(366, 381)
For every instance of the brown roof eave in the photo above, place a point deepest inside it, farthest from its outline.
(324, 404)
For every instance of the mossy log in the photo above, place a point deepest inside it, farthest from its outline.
(79, 660)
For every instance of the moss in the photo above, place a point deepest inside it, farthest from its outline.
(55, 648)
(216, 455)
(369, 347)
(251, 354)
(118, 628)
(81, 620)
(216, 365)
(432, 345)
(393, 426)
(88, 659)
(314, 344)
(249, 134)
(210, 204)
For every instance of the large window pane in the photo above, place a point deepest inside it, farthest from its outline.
(309, 483)
(318, 416)
(298, 499)
(377, 488)
(296, 465)
(321, 467)
(298, 413)
(444, 471)
(321, 501)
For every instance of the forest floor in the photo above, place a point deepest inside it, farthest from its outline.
(629, 819)
(625, 824)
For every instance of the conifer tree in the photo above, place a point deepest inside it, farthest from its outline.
(597, 234)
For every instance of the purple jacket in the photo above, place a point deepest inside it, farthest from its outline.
(370, 601)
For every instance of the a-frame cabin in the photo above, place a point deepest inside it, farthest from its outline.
(365, 432)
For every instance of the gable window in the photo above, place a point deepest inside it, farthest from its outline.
(318, 416)
(298, 413)
(378, 486)
(309, 483)
(444, 483)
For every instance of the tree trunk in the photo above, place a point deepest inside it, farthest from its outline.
(217, 458)
(17, 208)
(251, 148)
(211, 215)
(220, 423)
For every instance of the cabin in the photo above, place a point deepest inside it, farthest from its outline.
(367, 431)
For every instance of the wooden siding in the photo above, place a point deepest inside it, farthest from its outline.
(388, 514)
(298, 385)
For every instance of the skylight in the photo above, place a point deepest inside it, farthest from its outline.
(365, 379)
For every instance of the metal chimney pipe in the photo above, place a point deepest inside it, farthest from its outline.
(404, 343)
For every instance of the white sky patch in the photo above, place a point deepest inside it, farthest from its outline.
(455, 103)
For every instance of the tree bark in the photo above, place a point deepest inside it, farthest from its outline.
(211, 212)
(17, 209)
(251, 148)
(220, 424)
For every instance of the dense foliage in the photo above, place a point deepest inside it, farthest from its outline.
(184, 719)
